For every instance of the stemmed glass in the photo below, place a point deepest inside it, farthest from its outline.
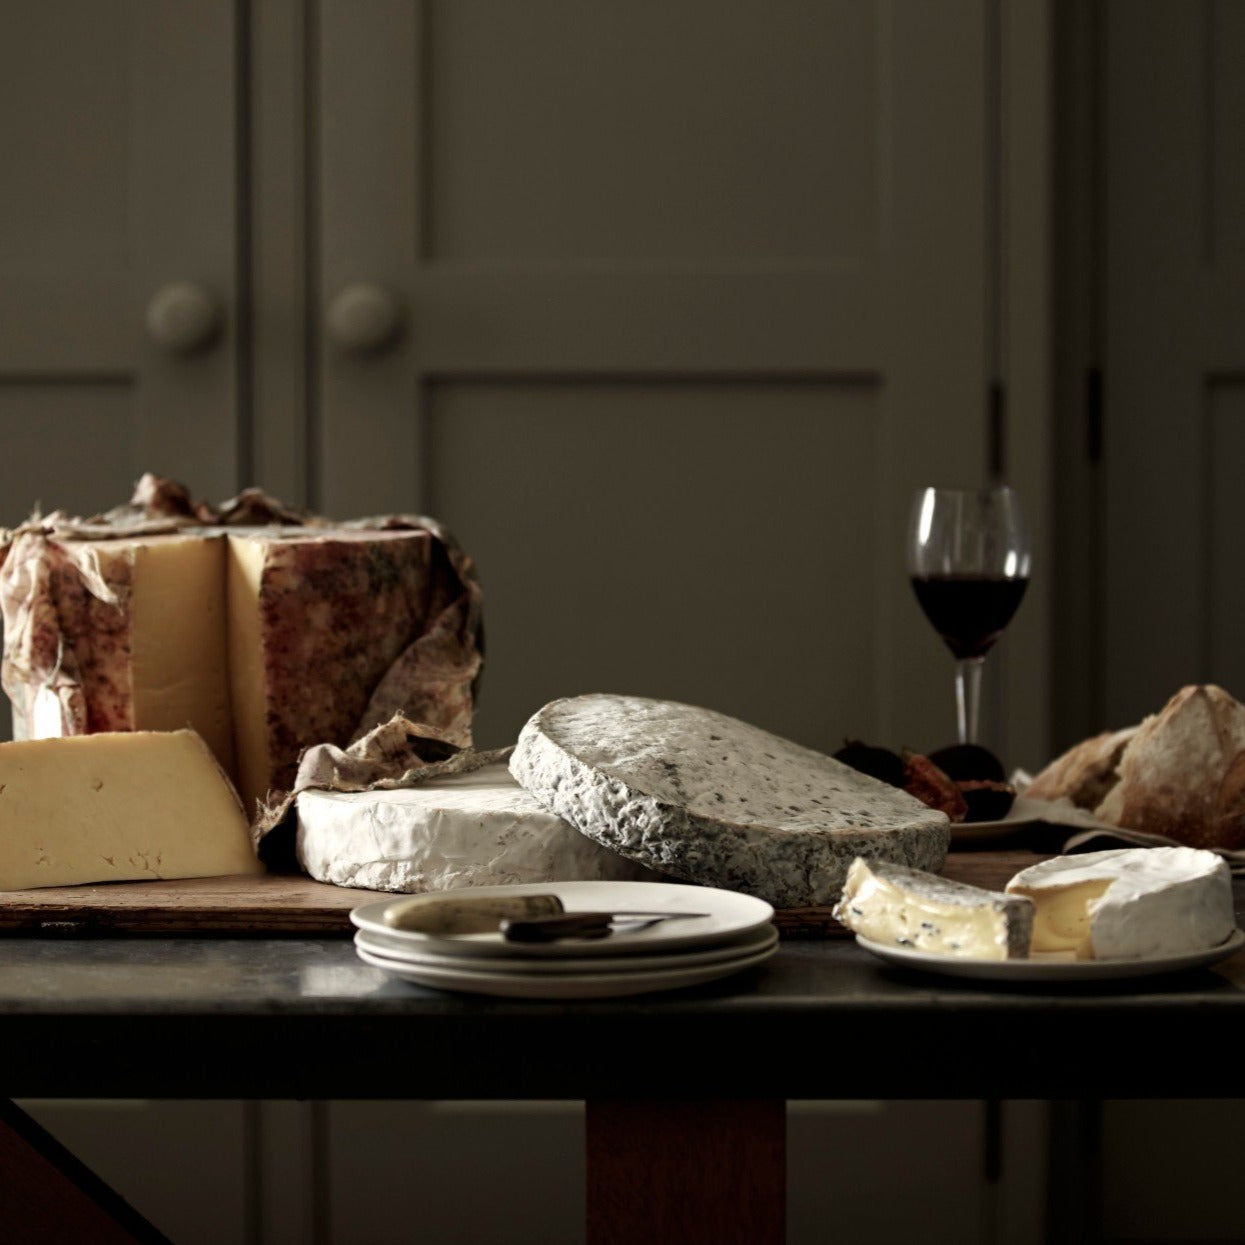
(968, 555)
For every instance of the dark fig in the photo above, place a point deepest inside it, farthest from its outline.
(879, 763)
(969, 763)
(930, 785)
(987, 801)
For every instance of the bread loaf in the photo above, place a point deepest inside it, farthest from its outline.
(1182, 773)
(1085, 773)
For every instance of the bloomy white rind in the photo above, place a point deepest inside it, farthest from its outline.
(1161, 900)
(788, 866)
(475, 829)
(1015, 913)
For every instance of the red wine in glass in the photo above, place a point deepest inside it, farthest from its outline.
(969, 611)
(968, 556)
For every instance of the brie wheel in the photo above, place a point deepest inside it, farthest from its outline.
(1129, 903)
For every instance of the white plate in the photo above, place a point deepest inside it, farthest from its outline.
(1050, 970)
(520, 985)
(730, 915)
(1059, 818)
(757, 940)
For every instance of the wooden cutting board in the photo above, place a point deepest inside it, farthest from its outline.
(278, 904)
(246, 904)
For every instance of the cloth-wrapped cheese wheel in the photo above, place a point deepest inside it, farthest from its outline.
(266, 630)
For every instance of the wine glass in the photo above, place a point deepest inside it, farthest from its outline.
(968, 555)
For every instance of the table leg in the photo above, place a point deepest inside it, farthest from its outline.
(688, 1171)
(50, 1198)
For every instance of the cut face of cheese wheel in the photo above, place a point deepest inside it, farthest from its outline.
(178, 668)
(1129, 903)
(117, 807)
(1062, 923)
(902, 907)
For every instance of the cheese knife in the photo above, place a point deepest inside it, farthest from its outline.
(583, 924)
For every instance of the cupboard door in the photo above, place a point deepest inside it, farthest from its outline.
(118, 140)
(1174, 599)
(683, 304)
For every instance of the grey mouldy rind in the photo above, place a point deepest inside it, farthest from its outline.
(707, 798)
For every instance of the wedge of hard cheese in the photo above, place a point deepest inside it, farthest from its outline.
(908, 908)
(117, 807)
(120, 634)
(713, 800)
(1129, 903)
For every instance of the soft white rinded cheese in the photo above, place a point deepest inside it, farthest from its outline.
(117, 807)
(891, 904)
(476, 829)
(144, 625)
(1129, 903)
(708, 798)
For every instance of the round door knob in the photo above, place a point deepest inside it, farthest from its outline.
(183, 316)
(364, 317)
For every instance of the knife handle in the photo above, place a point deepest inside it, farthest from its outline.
(551, 928)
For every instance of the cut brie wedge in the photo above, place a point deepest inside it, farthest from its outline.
(1129, 903)
(908, 908)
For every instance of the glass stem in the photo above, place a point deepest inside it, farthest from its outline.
(968, 697)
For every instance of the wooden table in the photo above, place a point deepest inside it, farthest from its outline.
(685, 1091)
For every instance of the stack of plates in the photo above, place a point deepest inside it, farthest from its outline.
(735, 934)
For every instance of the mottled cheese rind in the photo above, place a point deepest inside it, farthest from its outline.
(707, 798)
(474, 829)
(323, 621)
(1129, 903)
(117, 807)
(894, 905)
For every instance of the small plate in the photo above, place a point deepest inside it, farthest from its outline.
(521, 985)
(392, 949)
(1040, 824)
(1051, 970)
(730, 915)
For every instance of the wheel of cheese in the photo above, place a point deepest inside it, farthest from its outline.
(474, 829)
(707, 798)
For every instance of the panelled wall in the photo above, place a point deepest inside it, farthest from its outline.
(687, 301)
(121, 156)
(665, 309)
(1174, 609)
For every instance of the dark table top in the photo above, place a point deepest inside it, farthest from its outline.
(305, 1018)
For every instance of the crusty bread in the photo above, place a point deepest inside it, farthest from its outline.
(1085, 773)
(1183, 773)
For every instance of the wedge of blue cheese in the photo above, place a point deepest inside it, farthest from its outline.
(903, 907)
(1129, 903)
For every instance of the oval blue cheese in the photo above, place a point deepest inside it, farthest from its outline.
(710, 799)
